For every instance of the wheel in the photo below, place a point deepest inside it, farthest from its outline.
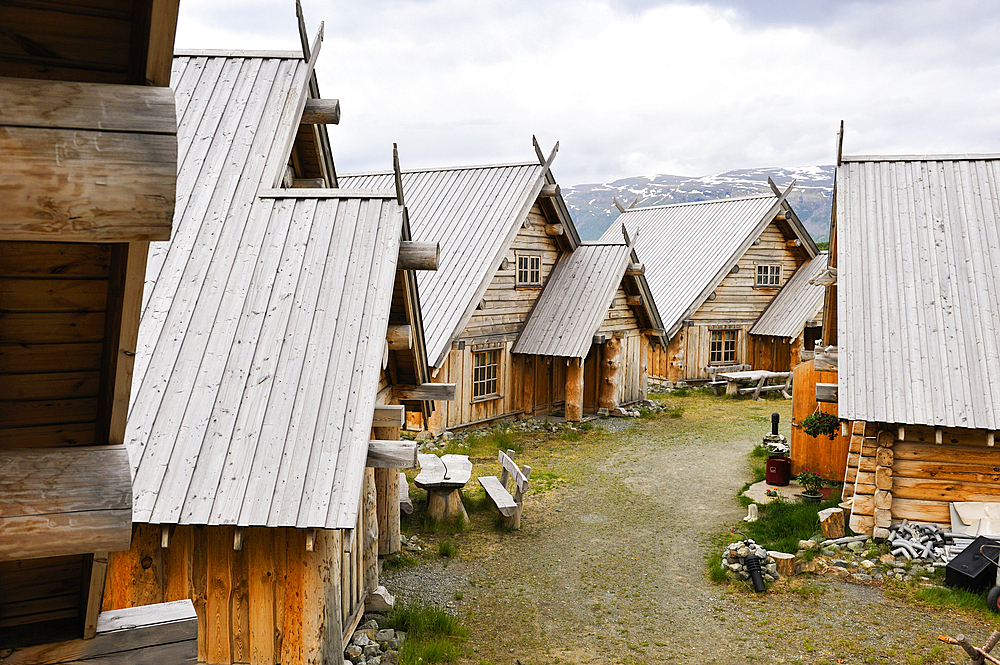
(992, 599)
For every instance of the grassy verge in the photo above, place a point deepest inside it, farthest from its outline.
(432, 636)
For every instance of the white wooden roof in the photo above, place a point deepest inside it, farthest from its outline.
(261, 338)
(919, 290)
(688, 248)
(797, 303)
(574, 302)
(474, 213)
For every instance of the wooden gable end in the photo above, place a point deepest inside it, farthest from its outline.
(505, 306)
(737, 298)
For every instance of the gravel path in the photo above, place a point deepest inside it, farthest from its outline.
(609, 565)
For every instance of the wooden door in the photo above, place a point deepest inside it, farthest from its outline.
(821, 454)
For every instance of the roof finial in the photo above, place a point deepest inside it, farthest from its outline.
(618, 204)
(625, 233)
(399, 175)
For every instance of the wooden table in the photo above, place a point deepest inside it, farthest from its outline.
(443, 478)
(762, 379)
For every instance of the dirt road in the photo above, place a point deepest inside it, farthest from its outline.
(609, 565)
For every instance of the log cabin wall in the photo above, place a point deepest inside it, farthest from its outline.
(622, 323)
(271, 601)
(52, 302)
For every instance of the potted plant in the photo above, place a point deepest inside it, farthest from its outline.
(820, 423)
(811, 483)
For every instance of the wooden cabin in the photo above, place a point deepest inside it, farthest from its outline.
(280, 343)
(786, 333)
(503, 231)
(917, 326)
(88, 138)
(714, 267)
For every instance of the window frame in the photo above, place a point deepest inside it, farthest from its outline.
(768, 275)
(529, 270)
(722, 341)
(483, 382)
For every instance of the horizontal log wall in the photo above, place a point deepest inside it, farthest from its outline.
(52, 324)
(926, 476)
(40, 599)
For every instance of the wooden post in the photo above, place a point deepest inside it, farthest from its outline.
(831, 521)
(574, 390)
(371, 532)
(610, 374)
(387, 499)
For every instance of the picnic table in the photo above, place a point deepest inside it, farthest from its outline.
(443, 478)
(759, 381)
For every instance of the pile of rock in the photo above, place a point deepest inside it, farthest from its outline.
(413, 543)
(371, 646)
(734, 560)
(858, 559)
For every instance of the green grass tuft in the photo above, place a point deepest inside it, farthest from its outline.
(398, 561)
(432, 636)
(447, 549)
(783, 524)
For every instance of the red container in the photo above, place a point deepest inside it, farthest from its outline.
(777, 470)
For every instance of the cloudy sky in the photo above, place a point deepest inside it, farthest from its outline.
(636, 87)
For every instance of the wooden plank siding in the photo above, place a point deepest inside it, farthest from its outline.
(52, 324)
(272, 601)
(737, 305)
(826, 457)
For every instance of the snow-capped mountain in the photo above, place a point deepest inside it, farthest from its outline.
(593, 208)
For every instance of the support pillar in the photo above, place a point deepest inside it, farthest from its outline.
(574, 390)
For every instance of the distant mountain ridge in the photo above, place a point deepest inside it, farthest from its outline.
(594, 211)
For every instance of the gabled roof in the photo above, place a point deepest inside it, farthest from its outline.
(919, 289)
(688, 248)
(474, 213)
(797, 303)
(575, 301)
(261, 340)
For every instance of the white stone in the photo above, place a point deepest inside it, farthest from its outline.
(380, 600)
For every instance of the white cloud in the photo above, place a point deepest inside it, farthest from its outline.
(658, 89)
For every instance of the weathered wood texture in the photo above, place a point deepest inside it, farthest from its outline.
(610, 374)
(387, 501)
(37, 592)
(52, 327)
(94, 169)
(59, 501)
(574, 390)
(820, 454)
(737, 305)
(161, 633)
(270, 602)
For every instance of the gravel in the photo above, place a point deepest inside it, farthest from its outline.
(609, 566)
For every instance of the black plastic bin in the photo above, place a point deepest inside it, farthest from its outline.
(777, 470)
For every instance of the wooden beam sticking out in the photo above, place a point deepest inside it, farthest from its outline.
(901, 434)
(600, 339)
(392, 454)
(308, 183)
(321, 112)
(554, 229)
(825, 360)
(166, 533)
(444, 392)
(793, 243)
(634, 301)
(635, 269)
(826, 392)
(780, 217)
(238, 538)
(310, 540)
(549, 190)
(415, 255)
(389, 415)
(60, 501)
(399, 337)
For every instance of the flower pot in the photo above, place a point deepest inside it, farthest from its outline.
(811, 497)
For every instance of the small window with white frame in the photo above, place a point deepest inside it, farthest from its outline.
(768, 274)
(529, 270)
(485, 373)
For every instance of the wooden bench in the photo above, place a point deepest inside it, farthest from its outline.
(508, 504)
(763, 386)
(714, 382)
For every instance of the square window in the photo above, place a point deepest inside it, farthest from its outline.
(769, 274)
(722, 347)
(484, 373)
(529, 270)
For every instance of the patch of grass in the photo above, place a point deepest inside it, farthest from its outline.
(808, 591)
(432, 636)
(398, 561)
(571, 435)
(955, 598)
(783, 524)
(716, 572)
(680, 392)
(676, 412)
(543, 481)
(447, 549)
(448, 527)
(758, 452)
